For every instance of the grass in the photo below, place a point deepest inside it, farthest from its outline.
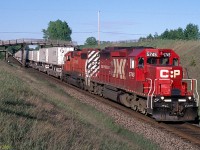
(31, 119)
(2, 55)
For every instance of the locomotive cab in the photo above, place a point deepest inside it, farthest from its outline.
(169, 96)
(156, 75)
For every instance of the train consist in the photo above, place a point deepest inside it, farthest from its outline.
(146, 79)
(48, 60)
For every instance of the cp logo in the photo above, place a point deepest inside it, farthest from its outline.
(171, 74)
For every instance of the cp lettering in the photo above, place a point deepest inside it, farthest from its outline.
(172, 74)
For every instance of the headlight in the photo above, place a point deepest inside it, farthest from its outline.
(189, 97)
(162, 97)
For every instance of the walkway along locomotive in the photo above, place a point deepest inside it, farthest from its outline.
(148, 80)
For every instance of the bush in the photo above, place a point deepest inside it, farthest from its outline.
(193, 62)
(2, 55)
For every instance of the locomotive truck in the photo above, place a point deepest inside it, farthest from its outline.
(148, 80)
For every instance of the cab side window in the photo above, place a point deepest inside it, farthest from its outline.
(175, 62)
(141, 62)
(164, 61)
(151, 60)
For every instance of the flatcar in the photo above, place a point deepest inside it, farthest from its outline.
(148, 80)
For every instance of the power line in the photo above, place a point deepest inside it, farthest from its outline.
(75, 32)
(123, 33)
(113, 33)
(85, 32)
(21, 32)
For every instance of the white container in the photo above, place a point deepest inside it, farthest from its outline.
(43, 55)
(56, 54)
(36, 55)
(18, 55)
(30, 55)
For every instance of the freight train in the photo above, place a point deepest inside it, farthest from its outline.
(48, 60)
(145, 79)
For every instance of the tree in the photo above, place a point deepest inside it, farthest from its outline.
(165, 35)
(1, 54)
(57, 30)
(91, 41)
(191, 32)
(150, 37)
(156, 35)
(179, 34)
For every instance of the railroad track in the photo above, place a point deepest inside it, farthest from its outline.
(186, 131)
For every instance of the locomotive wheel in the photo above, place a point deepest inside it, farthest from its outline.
(95, 88)
(103, 92)
(140, 109)
(68, 79)
(99, 90)
(84, 86)
(124, 99)
(135, 108)
(61, 77)
(144, 111)
(91, 88)
(81, 84)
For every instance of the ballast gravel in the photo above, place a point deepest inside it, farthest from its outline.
(165, 140)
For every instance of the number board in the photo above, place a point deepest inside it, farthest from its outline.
(166, 54)
(152, 54)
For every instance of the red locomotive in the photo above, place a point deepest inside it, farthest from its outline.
(146, 79)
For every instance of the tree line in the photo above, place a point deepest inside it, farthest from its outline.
(60, 30)
(191, 32)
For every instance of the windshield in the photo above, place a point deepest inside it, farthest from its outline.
(158, 61)
(164, 61)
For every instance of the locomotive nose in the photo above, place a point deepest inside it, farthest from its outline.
(167, 80)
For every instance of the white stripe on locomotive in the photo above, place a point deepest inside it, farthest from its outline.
(91, 65)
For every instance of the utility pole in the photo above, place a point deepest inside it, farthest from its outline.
(99, 28)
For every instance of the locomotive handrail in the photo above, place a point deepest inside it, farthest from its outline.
(150, 89)
(196, 92)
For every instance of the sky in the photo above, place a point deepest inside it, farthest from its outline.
(119, 19)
